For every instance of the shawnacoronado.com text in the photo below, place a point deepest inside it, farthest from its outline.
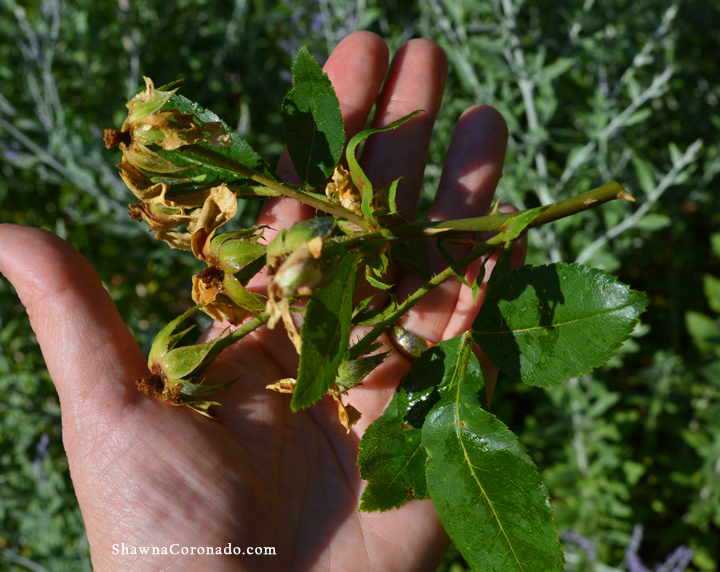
(123, 549)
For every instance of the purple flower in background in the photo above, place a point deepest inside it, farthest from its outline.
(42, 449)
(43, 446)
(583, 543)
(318, 21)
(632, 558)
(352, 22)
(676, 562)
(11, 154)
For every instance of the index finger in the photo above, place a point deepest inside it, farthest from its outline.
(356, 69)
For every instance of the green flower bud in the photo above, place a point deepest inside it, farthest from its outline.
(175, 370)
(289, 240)
(300, 273)
(235, 250)
(307, 268)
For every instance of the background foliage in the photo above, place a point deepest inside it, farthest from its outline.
(592, 91)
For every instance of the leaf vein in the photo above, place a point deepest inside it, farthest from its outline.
(557, 325)
(479, 484)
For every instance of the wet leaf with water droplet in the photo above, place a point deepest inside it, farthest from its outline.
(392, 457)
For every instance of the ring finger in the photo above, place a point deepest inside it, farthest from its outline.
(470, 175)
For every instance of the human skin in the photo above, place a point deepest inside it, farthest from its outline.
(148, 474)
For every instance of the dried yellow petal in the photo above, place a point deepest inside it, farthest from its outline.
(159, 216)
(286, 385)
(219, 207)
(207, 292)
(139, 183)
(348, 415)
(344, 191)
(178, 240)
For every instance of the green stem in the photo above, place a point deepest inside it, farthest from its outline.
(494, 222)
(316, 201)
(416, 230)
(245, 329)
(255, 191)
(490, 223)
(236, 336)
(363, 344)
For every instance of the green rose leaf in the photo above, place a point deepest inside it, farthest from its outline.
(392, 457)
(413, 256)
(374, 316)
(325, 336)
(488, 493)
(358, 175)
(312, 122)
(205, 172)
(240, 151)
(544, 325)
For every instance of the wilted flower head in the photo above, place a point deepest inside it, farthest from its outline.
(219, 207)
(344, 191)
(294, 258)
(295, 261)
(147, 125)
(203, 212)
(208, 292)
(175, 371)
(220, 293)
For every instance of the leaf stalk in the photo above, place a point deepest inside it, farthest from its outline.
(314, 200)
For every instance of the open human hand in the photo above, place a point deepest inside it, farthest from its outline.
(150, 475)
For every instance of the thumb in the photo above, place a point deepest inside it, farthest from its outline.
(90, 354)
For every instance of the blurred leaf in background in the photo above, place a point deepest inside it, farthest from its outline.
(592, 91)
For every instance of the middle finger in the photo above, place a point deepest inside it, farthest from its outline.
(416, 80)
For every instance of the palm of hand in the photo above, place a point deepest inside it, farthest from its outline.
(261, 477)
(147, 474)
